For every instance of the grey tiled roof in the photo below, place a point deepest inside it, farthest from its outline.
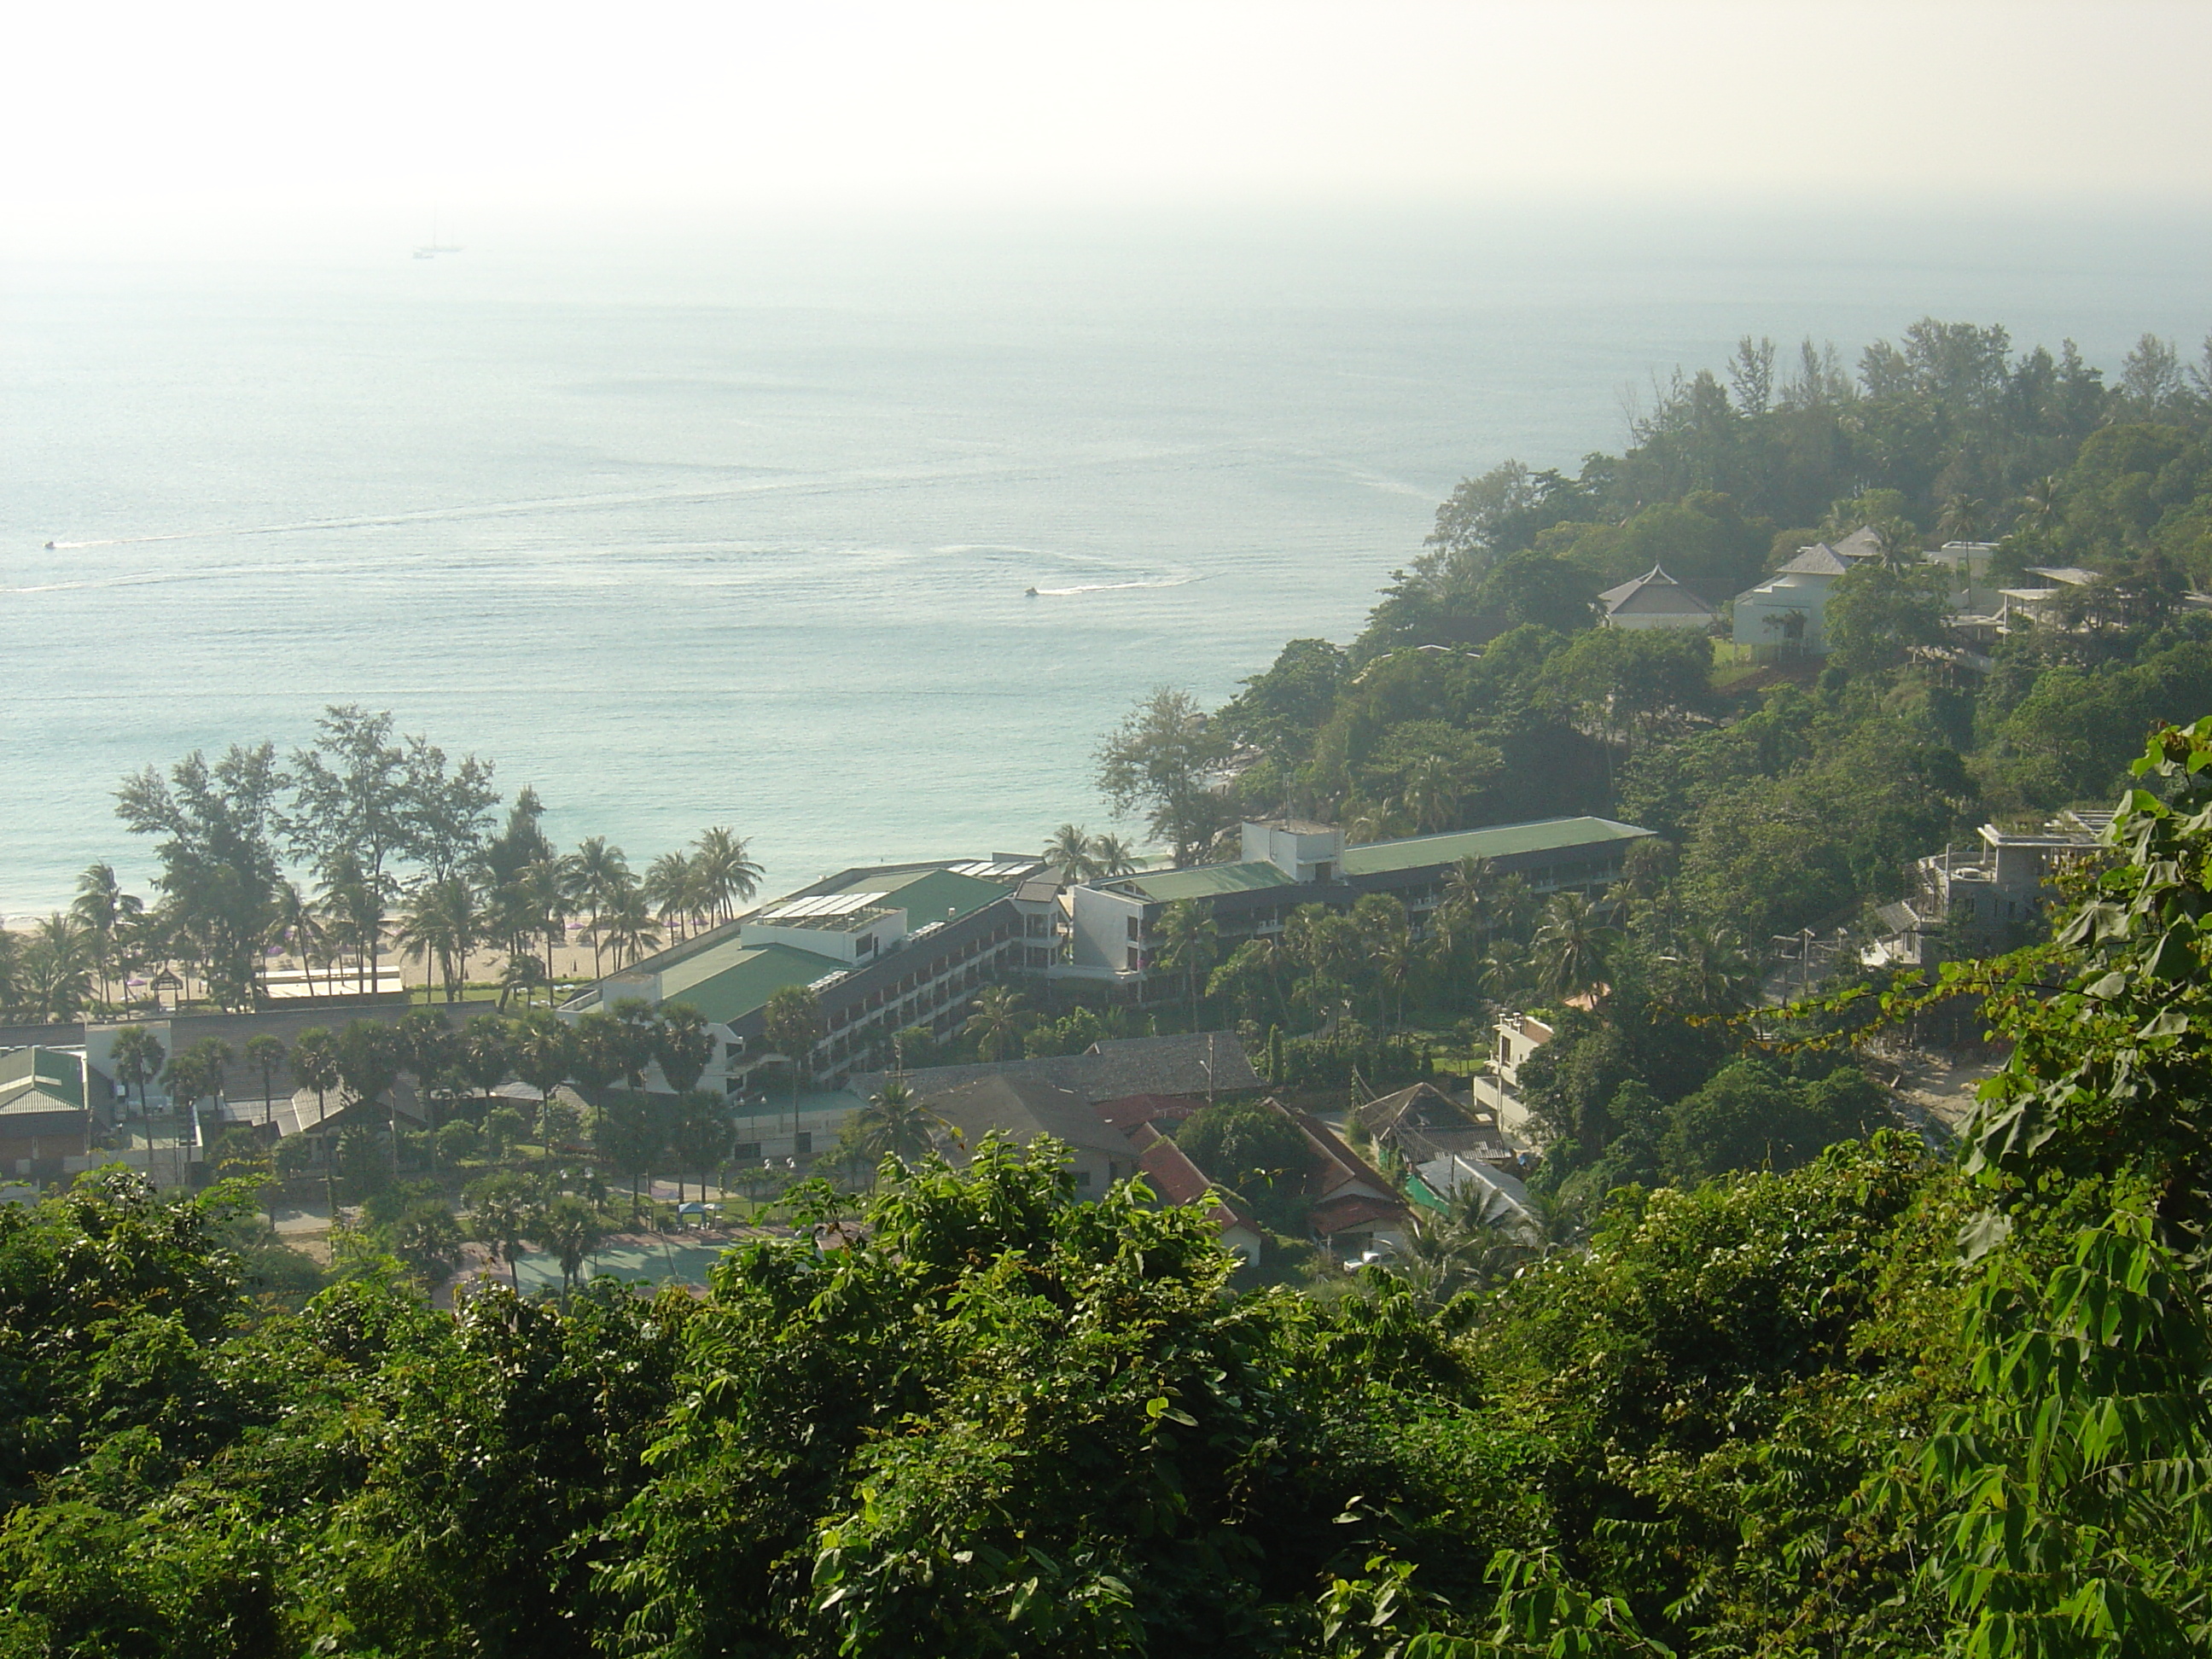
(1023, 1109)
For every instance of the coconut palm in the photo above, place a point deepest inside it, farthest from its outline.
(2039, 515)
(1113, 856)
(521, 975)
(626, 921)
(1444, 1254)
(1187, 942)
(671, 887)
(353, 915)
(265, 1052)
(997, 1023)
(728, 874)
(1073, 851)
(591, 877)
(1570, 947)
(441, 924)
(315, 1064)
(1715, 975)
(1431, 794)
(137, 1054)
(893, 1124)
(1247, 977)
(102, 908)
(1961, 519)
(53, 969)
(571, 1230)
(501, 1216)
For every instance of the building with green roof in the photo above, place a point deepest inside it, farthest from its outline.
(1290, 862)
(44, 1122)
(882, 948)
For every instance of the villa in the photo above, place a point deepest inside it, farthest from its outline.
(1654, 600)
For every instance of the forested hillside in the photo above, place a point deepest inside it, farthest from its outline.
(1886, 1404)
(1778, 1378)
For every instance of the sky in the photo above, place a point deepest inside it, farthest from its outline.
(133, 126)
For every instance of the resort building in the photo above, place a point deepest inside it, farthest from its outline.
(46, 1100)
(1782, 616)
(1654, 600)
(1292, 862)
(883, 948)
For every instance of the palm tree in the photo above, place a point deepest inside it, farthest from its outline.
(1715, 974)
(672, 886)
(102, 910)
(2039, 516)
(571, 1230)
(295, 929)
(626, 921)
(441, 925)
(1386, 944)
(1110, 855)
(521, 975)
(997, 1022)
(728, 876)
(590, 877)
(53, 971)
(1071, 848)
(137, 1054)
(893, 1124)
(501, 1216)
(1961, 519)
(1189, 940)
(543, 1052)
(1248, 975)
(1444, 1254)
(353, 913)
(1431, 794)
(1570, 947)
(265, 1052)
(315, 1064)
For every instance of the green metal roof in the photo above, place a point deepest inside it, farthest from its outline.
(1208, 880)
(57, 1075)
(756, 975)
(1502, 841)
(926, 897)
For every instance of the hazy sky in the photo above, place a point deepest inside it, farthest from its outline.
(131, 121)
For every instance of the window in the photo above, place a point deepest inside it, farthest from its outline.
(747, 1151)
(1136, 959)
(1083, 1177)
(1136, 928)
(803, 1144)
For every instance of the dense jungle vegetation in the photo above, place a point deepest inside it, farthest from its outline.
(1791, 1382)
(1883, 1404)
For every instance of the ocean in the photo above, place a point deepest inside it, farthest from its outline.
(740, 528)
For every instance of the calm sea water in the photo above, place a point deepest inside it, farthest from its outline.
(740, 532)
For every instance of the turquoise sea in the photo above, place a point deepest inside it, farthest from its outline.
(737, 528)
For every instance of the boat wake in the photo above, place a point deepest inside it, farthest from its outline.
(1112, 588)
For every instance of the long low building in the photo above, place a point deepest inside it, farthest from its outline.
(883, 947)
(1290, 862)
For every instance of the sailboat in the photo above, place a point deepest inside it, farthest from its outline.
(434, 247)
